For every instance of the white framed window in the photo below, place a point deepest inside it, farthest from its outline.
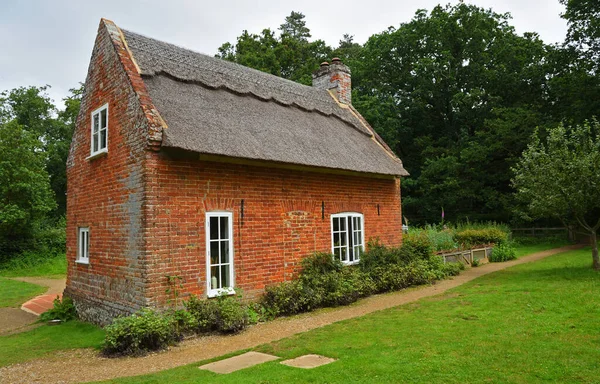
(219, 253)
(99, 136)
(347, 236)
(83, 245)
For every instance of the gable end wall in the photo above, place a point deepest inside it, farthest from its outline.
(106, 194)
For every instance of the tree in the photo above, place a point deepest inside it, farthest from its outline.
(583, 17)
(453, 92)
(290, 55)
(559, 177)
(25, 194)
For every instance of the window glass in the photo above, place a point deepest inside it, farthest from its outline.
(103, 118)
(347, 236)
(219, 254)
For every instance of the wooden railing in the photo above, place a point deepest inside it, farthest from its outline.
(467, 256)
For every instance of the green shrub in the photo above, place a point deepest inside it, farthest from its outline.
(503, 252)
(441, 239)
(62, 310)
(453, 269)
(415, 246)
(473, 237)
(204, 313)
(290, 297)
(142, 332)
(320, 263)
(184, 322)
(232, 315)
(377, 255)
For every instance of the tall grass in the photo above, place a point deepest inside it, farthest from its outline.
(444, 237)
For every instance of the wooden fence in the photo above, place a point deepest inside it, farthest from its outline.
(467, 256)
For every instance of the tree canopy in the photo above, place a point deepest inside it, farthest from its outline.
(34, 144)
(559, 177)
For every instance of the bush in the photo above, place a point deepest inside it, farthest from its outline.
(204, 313)
(320, 263)
(440, 239)
(503, 252)
(472, 237)
(453, 269)
(289, 297)
(415, 246)
(63, 310)
(378, 255)
(232, 315)
(142, 332)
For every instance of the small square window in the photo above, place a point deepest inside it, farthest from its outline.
(83, 245)
(99, 142)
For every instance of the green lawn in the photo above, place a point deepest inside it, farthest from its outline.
(46, 339)
(14, 293)
(31, 264)
(536, 322)
(528, 249)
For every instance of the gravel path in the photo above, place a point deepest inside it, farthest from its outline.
(83, 365)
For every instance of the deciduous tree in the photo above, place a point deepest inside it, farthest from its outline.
(559, 177)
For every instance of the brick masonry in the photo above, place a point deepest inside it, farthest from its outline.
(146, 207)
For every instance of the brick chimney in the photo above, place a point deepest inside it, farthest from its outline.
(334, 76)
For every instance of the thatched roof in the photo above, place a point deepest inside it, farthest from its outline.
(216, 107)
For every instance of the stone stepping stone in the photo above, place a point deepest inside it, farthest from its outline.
(248, 359)
(308, 361)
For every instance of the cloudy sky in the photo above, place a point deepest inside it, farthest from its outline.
(50, 42)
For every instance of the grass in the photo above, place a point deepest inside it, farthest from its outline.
(45, 340)
(33, 264)
(535, 322)
(14, 293)
(527, 249)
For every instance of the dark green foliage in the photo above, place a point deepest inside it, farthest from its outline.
(320, 263)
(503, 252)
(453, 269)
(140, 333)
(415, 247)
(289, 298)
(34, 145)
(232, 315)
(25, 194)
(204, 312)
(484, 236)
(63, 310)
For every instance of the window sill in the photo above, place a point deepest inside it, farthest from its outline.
(351, 262)
(82, 262)
(97, 155)
(220, 292)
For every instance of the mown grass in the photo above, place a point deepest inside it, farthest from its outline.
(44, 340)
(34, 264)
(527, 249)
(535, 322)
(14, 293)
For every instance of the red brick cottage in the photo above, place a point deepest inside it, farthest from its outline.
(223, 176)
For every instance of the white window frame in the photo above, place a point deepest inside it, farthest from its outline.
(349, 216)
(98, 112)
(210, 292)
(83, 245)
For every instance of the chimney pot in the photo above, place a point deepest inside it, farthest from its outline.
(335, 78)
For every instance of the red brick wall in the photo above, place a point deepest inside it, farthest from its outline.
(282, 219)
(106, 194)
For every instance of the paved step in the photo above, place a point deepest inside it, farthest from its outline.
(40, 304)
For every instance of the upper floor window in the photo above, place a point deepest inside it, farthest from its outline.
(100, 130)
(347, 236)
